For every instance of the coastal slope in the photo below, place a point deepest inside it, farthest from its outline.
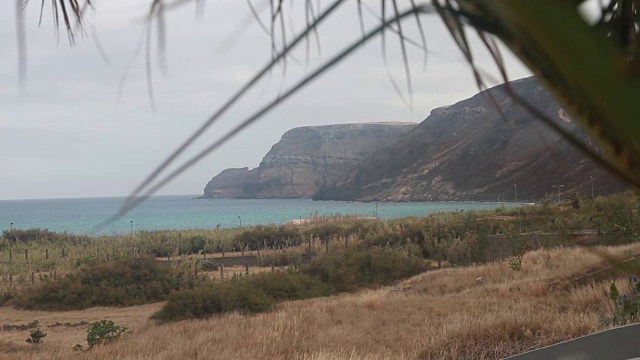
(487, 147)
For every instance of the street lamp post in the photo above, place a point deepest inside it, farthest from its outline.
(240, 219)
(131, 222)
(11, 226)
(515, 189)
(559, 187)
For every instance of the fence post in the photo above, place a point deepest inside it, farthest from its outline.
(46, 254)
(221, 270)
(32, 277)
(246, 268)
(63, 253)
(346, 241)
(10, 279)
(26, 254)
(273, 267)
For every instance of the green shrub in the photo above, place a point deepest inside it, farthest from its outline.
(36, 336)
(256, 293)
(104, 332)
(214, 299)
(624, 309)
(359, 266)
(117, 283)
(288, 285)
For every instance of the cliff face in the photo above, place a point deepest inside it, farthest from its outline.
(305, 160)
(473, 151)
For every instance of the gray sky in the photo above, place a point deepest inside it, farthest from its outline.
(70, 135)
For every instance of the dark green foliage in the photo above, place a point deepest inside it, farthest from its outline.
(625, 308)
(117, 283)
(247, 295)
(213, 299)
(36, 336)
(268, 237)
(192, 245)
(358, 266)
(36, 234)
(103, 332)
(288, 285)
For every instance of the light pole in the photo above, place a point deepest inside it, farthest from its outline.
(11, 226)
(559, 187)
(515, 189)
(240, 219)
(131, 222)
(592, 193)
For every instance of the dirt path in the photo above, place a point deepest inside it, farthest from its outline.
(71, 332)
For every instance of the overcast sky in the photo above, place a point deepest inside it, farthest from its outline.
(69, 134)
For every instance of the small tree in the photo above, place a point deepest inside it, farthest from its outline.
(36, 336)
(104, 332)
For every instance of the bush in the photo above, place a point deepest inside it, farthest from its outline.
(288, 285)
(256, 293)
(214, 299)
(625, 308)
(36, 336)
(358, 266)
(118, 283)
(103, 332)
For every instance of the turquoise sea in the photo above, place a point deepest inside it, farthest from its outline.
(81, 216)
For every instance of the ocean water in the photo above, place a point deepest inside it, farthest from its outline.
(81, 216)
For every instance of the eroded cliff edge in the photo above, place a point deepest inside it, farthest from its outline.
(305, 160)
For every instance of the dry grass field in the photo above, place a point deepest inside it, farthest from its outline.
(477, 312)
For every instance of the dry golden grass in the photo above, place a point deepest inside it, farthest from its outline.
(441, 314)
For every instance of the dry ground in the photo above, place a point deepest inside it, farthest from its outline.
(478, 312)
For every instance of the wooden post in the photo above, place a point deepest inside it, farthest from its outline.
(32, 277)
(273, 268)
(204, 254)
(326, 245)
(46, 254)
(10, 279)
(242, 249)
(26, 254)
(246, 268)
(346, 241)
(223, 253)
(221, 271)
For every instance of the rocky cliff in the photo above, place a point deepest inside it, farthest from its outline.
(474, 150)
(305, 160)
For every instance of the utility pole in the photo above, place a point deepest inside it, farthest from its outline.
(559, 187)
(515, 188)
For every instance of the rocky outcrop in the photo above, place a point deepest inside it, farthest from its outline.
(479, 149)
(305, 160)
